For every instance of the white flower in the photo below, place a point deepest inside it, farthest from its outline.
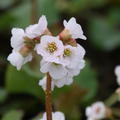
(55, 116)
(56, 71)
(43, 82)
(72, 56)
(36, 30)
(16, 59)
(50, 48)
(117, 72)
(17, 39)
(96, 111)
(74, 28)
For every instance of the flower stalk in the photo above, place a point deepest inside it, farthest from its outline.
(34, 11)
(48, 98)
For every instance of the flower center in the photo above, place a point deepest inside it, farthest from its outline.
(52, 47)
(97, 110)
(67, 52)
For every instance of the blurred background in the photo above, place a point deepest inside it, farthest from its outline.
(20, 96)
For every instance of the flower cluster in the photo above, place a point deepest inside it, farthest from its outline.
(55, 116)
(62, 57)
(96, 111)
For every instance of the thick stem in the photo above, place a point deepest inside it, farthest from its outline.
(48, 98)
(34, 11)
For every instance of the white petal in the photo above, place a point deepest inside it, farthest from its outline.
(57, 71)
(36, 30)
(55, 116)
(17, 39)
(88, 111)
(16, 59)
(33, 31)
(59, 83)
(74, 28)
(58, 116)
(117, 73)
(43, 23)
(65, 23)
(45, 66)
(28, 58)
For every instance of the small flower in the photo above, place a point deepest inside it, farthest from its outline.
(117, 72)
(36, 30)
(50, 48)
(57, 71)
(96, 111)
(43, 82)
(74, 29)
(72, 55)
(16, 59)
(55, 116)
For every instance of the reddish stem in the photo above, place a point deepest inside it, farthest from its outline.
(48, 98)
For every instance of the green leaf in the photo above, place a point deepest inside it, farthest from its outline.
(21, 82)
(13, 115)
(87, 81)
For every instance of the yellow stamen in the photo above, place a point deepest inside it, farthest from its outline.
(52, 47)
(67, 52)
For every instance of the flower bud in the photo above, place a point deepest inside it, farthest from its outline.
(66, 37)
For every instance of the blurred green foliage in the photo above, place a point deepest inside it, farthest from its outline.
(104, 32)
(13, 115)
(3, 95)
(21, 82)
